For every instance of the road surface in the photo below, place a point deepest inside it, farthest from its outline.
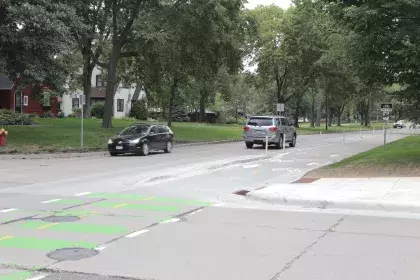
(174, 216)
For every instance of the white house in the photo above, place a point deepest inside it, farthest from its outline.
(122, 100)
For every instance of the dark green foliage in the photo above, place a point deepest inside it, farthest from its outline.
(8, 117)
(139, 110)
(97, 110)
(179, 110)
(48, 115)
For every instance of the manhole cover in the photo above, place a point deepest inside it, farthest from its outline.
(72, 254)
(60, 219)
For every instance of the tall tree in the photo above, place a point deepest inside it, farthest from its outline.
(35, 40)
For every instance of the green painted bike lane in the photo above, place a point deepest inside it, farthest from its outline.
(20, 275)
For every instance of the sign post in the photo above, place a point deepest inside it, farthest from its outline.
(81, 101)
(280, 108)
(386, 109)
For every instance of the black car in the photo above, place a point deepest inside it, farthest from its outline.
(141, 139)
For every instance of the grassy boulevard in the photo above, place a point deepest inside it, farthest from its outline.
(63, 135)
(400, 158)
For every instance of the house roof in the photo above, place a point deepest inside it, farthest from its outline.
(5, 83)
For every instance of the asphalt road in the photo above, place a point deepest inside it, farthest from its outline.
(174, 216)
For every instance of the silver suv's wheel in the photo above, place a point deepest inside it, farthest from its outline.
(293, 143)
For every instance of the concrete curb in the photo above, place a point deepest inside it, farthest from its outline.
(97, 154)
(365, 205)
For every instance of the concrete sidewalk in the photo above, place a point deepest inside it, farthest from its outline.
(384, 194)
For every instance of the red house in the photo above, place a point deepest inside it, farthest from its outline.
(13, 99)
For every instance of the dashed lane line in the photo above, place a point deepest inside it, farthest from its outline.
(8, 210)
(51, 201)
(137, 233)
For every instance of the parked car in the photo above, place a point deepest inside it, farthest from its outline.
(399, 124)
(276, 128)
(141, 139)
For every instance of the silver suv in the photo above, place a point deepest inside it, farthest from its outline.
(258, 128)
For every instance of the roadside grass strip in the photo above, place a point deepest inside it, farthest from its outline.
(148, 207)
(75, 227)
(41, 244)
(21, 275)
(149, 198)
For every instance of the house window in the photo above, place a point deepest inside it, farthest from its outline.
(100, 82)
(75, 103)
(25, 100)
(120, 105)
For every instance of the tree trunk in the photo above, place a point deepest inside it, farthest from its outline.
(339, 118)
(203, 96)
(171, 100)
(110, 87)
(87, 78)
(313, 112)
(297, 111)
(318, 116)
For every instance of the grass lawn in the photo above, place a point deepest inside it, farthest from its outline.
(399, 158)
(63, 135)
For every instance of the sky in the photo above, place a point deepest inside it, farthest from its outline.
(253, 3)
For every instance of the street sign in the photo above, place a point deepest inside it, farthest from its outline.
(82, 99)
(386, 107)
(280, 107)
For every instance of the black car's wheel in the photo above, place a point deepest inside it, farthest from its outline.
(249, 145)
(169, 147)
(113, 154)
(293, 143)
(145, 149)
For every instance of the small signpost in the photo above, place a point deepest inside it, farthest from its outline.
(81, 101)
(386, 109)
(280, 108)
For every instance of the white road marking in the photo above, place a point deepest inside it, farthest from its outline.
(195, 212)
(312, 164)
(290, 170)
(37, 277)
(334, 156)
(82, 194)
(137, 233)
(51, 201)
(174, 220)
(8, 210)
(100, 248)
(218, 205)
(251, 166)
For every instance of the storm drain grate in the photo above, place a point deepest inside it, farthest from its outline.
(60, 219)
(241, 192)
(72, 254)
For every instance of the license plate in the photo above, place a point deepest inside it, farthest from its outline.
(119, 147)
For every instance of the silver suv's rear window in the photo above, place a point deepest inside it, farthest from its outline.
(260, 122)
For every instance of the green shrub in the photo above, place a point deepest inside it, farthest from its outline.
(139, 110)
(97, 110)
(8, 117)
(60, 114)
(77, 112)
(48, 115)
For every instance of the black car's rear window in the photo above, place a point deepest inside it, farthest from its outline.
(135, 129)
(260, 122)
